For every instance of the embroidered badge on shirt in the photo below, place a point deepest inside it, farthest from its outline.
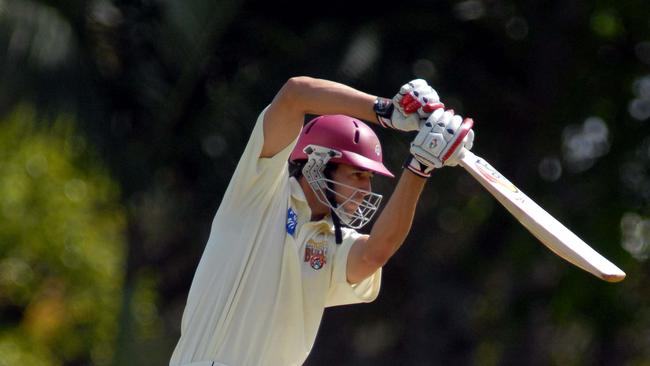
(292, 221)
(316, 253)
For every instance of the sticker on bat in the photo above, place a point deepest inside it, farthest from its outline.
(494, 176)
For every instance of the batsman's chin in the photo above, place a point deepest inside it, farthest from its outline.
(351, 208)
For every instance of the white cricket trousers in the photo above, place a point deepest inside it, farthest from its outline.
(204, 363)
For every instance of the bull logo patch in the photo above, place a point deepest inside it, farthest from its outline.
(316, 253)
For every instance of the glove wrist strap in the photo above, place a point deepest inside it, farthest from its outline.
(383, 109)
(417, 168)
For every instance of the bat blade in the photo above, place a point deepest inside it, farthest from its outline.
(540, 223)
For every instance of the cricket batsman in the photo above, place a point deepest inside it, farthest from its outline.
(283, 244)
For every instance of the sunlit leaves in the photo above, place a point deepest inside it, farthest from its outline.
(61, 245)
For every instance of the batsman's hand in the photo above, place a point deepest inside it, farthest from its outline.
(409, 108)
(440, 142)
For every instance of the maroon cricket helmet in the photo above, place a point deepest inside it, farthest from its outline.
(357, 143)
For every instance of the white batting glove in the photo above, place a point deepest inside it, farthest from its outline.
(409, 108)
(440, 142)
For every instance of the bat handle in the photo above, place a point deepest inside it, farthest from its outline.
(466, 157)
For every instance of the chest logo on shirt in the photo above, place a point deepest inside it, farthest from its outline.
(292, 221)
(316, 253)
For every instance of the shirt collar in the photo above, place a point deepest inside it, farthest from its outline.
(296, 190)
(303, 207)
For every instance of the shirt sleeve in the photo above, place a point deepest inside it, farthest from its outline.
(253, 171)
(341, 292)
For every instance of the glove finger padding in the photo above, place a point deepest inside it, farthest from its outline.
(409, 104)
(412, 85)
(410, 107)
(417, 96)
(468, 143)
(440, 119)
(441, 140)
(430, 102)
(452, 126)
(462, 139)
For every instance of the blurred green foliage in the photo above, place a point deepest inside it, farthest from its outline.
(61, 245)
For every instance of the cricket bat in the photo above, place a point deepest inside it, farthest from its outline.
(540, 223)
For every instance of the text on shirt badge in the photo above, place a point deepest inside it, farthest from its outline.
(316, 253)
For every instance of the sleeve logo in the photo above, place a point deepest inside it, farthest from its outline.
(292, 221)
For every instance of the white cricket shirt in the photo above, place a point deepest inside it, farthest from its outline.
(267, 272)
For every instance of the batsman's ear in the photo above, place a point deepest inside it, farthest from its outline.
(295, 168)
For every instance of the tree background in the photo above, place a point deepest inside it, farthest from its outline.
(123, 120)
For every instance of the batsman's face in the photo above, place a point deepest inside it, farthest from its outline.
(355, 185)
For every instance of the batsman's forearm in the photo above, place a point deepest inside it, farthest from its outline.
(394, 223)
(318, 96)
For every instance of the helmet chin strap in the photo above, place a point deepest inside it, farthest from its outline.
(337, 228)
(335, 218)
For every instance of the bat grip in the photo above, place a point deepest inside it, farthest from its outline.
(466, 157)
